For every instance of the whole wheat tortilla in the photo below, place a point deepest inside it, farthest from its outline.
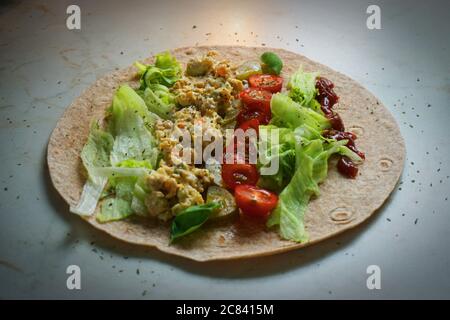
(343, 203)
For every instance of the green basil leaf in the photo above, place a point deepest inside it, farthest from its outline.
(271, 63)
(191, 219)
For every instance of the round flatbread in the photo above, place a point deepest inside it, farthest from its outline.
(343, 203)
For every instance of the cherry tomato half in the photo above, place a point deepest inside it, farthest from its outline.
(268, 82)
(256, 99)
(255, 202)
(250, 124)
(246, 115)
(237, 174)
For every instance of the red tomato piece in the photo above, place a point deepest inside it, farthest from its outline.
(255, 202)
(256, 99)
(246, 115)
(268, 82)
(250, 124)
(237, 174)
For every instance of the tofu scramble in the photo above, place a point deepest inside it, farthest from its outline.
(205, 96)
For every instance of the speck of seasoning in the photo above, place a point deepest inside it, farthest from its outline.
(94, 250)
(263, 44)
(121, 52)
(388, 219)
(330, 292)
(153, 285)
(125, 258)
(415, 221)
(18, 197)
(412, 163)
(194, 27)
(6, 189)
(120, 271)
(137, 271)
(418, 80)
(144, 292)
(412, 181)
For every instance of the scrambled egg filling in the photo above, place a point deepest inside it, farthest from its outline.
(205, 98)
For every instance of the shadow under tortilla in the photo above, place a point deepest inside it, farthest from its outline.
(238, 268)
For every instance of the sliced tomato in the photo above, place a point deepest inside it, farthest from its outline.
(237, 174)
(245, 115)
(268, 82)
(255, 202)
(256, 99)
(250, 124)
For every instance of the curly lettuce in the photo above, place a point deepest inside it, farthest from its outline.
(166, 71)
(312, 152)
(302, 89)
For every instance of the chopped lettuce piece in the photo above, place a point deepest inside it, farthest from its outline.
(288, 113)
(159, 101)
(283, 150)
(114, 209)
(133, 139)
(95, 154)
(166, 71)
(120, 158)
(128, 182)
(302, 88)
(128, 99)
(312, 153)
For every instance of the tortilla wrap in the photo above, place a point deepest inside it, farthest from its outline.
(343, 203)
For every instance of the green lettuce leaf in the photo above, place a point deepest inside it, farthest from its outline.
(166, 71)
(281, 151)
(129, 190)
(302, 88)
(288, 113)
(95, 154)
(133, 137)
(159, 100)
(312, 153)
